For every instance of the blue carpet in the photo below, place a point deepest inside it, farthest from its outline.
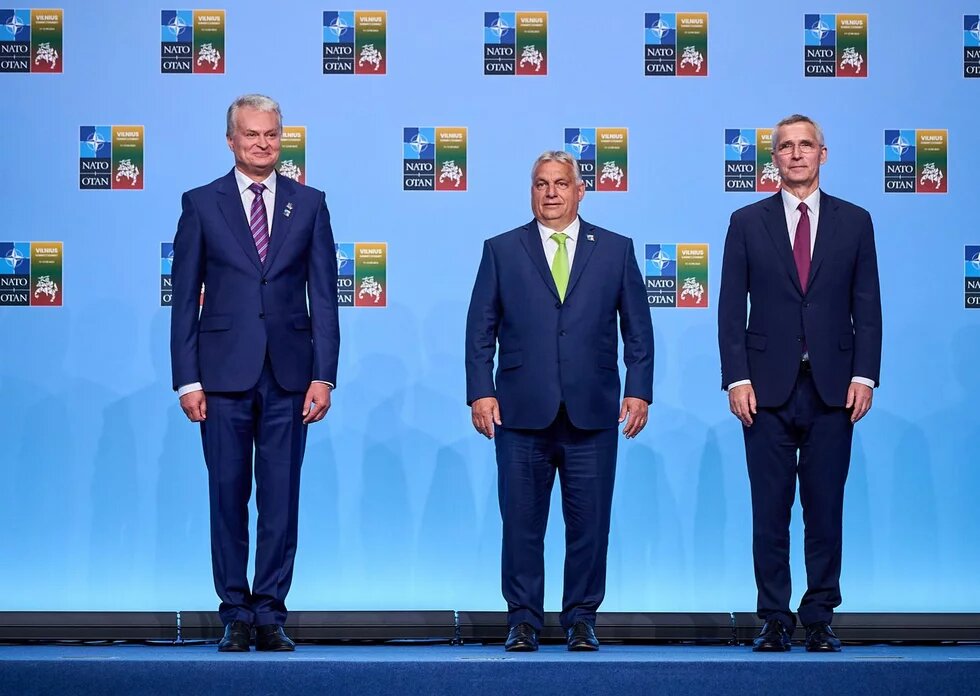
(478, 670)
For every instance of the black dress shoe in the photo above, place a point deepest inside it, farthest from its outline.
(772, 638)
(581, 637)
(238, 635)
(521, 638)
(820, 637)
(272, 638)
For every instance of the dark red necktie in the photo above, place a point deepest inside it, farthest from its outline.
(801, 246)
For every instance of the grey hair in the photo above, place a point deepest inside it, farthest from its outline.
(561, 157)
(259, 102)
(797, 118)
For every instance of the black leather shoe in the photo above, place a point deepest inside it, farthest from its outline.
(820, 637)
(581, 637)
(521, 638)
(772, 638)
(272, 638)
(238, 635)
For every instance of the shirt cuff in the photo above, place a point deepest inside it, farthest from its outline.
(870, 383)
(321, 381)
(739, 383)
(188, 388)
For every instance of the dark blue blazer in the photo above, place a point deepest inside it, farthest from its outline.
(839, 316)
(286, 307)
(552, 351)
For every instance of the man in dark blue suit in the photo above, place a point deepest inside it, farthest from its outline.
(799, 370)
(256, 363)
(549, 294)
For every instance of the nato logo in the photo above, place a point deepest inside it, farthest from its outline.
(176, 41)
(15, 274)
(971, 45)
(661, 275)
(499, 43)
(95, 157)
(740, 159)
(166, 273)
(971, 267)
(580, 143)
(660, 39)
(419, 159)
(900, 161)
(345, 275)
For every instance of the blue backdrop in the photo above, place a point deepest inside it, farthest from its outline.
(103, 498)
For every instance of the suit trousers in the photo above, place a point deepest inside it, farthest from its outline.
(268, 421)
(527, 461)
(807, 440)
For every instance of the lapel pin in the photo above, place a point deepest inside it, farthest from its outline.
(590, 237)
(289, 209)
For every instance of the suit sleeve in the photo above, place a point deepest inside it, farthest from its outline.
(637, 330)
(186, 278)
(322, 293)
(482, 322)
(733, 307)
(866, 307)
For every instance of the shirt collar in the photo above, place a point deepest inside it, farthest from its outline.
(571, 230)
(791, 202)
(244, 182)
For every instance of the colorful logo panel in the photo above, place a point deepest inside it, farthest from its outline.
(675, 44)
(355, 42)
(515, 43)
(292, 158)
(677, 275)
(434, 159)
(110, 157)
(362, 274)
(31, 41)
(192, 41)
(166, 273)
(748, 161)
(31, 274)
(971, 273)
(602, 155)
(835, 45)
(971, 45)
(916, 161)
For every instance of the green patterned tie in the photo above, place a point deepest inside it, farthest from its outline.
(559, 267)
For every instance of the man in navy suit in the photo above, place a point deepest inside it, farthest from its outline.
(799, 370)
(255, 365)
(549, 294)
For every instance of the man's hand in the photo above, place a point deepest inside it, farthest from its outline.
(859, 398)
(317, 402)
(741, 400)
(638, 411)
(195, 406)
(486, 414)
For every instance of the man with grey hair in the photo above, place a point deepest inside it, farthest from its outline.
(799, 369)
(255, 364)
(549, 294)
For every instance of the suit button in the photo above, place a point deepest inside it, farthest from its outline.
(799, 338)
(806, 305)
(265, 281)
(561, 333)
(261, 315)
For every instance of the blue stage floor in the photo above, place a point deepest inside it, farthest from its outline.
(475, 670)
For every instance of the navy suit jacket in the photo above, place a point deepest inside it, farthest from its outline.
(550, 350)
(286, 307)
(838, 317)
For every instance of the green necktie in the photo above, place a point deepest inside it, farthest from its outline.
(559, 267)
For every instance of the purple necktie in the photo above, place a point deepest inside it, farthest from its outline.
(801, 246)
(259, 224)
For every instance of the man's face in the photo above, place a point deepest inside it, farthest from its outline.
(255, 142)
(798, 155)
(555, 194)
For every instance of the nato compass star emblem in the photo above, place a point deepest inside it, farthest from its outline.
(900, 146)
(975, 31)
(975, 261)
(339, 27)
(740, 144)
(177, 26)
(95, 142)
(342, 260)
(660, 259)
(14, 25)
(820, 29)
(418, 143)
(660, 28)
(499, 27)
(579, 143)
(14, 259)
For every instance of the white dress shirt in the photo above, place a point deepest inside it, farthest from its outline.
(551, 246)
(269, 198)
(791, 206)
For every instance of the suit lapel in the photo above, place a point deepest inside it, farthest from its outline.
(774, 220)
(826, 228)
(531, 239)
(584, 246)
(285, 192)
(230, 204)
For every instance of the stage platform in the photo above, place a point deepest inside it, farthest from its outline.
(473, 670)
